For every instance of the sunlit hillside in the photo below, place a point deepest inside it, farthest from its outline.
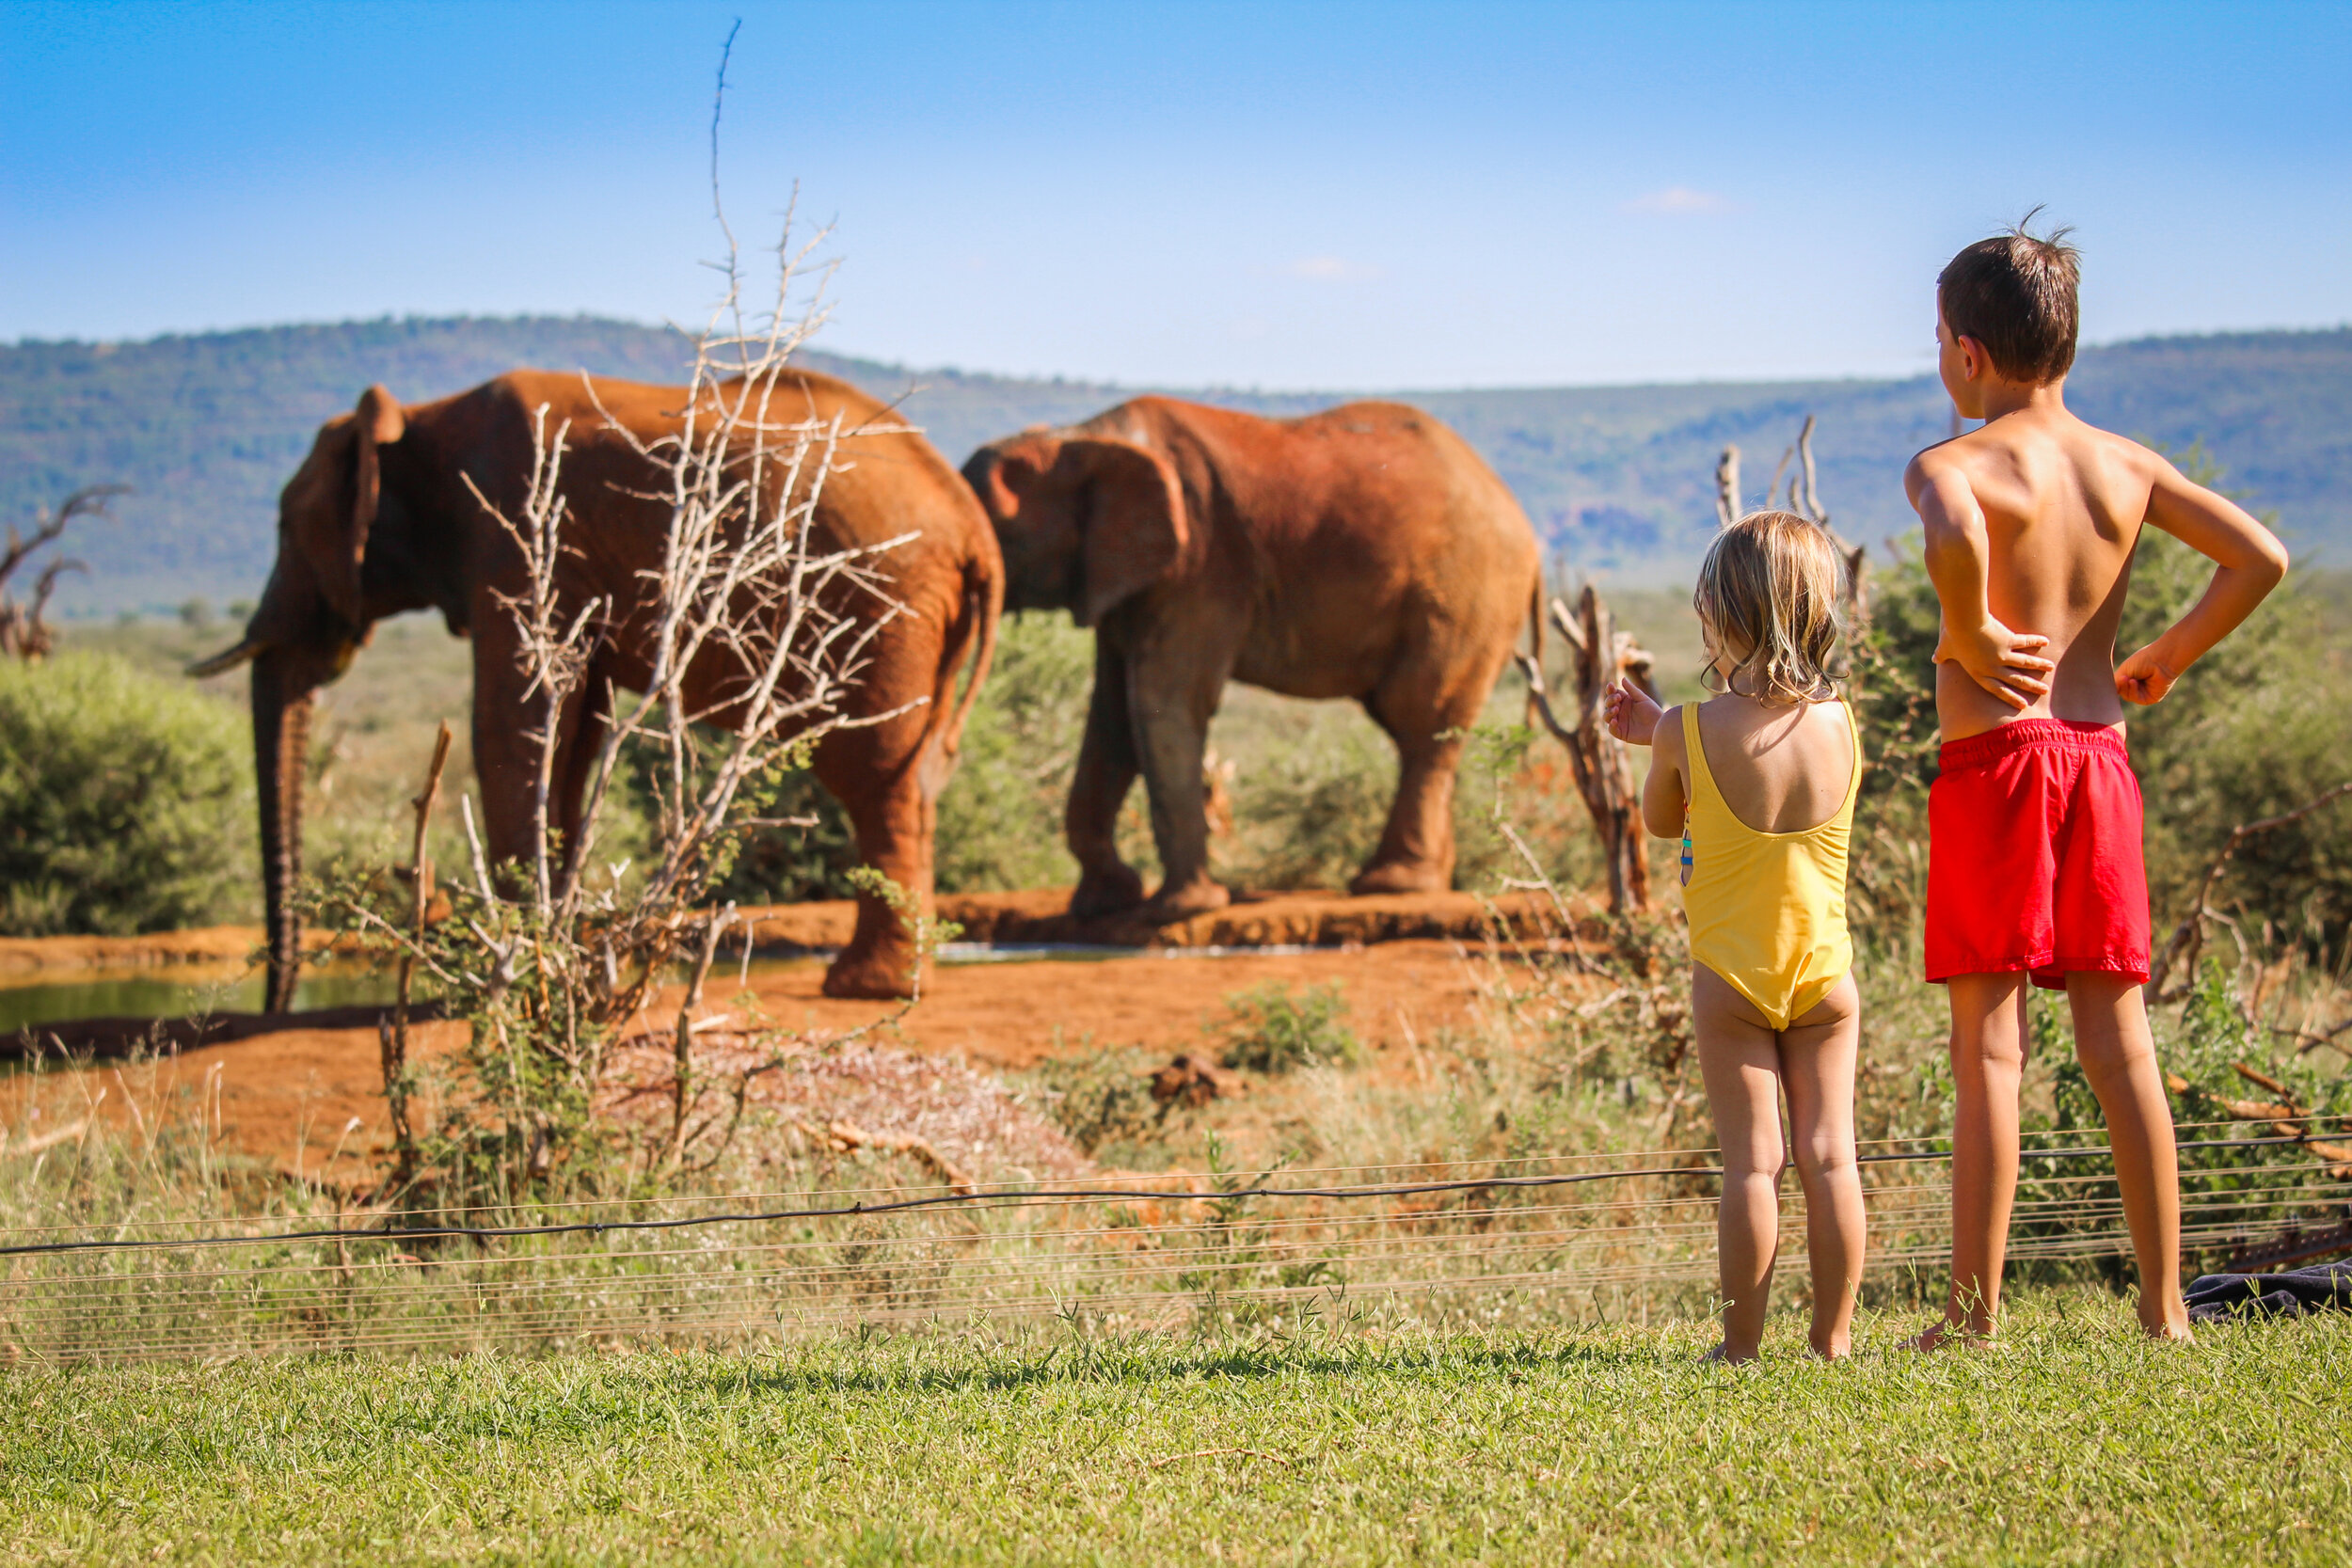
(207, 427)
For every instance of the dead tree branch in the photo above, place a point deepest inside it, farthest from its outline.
(23, 632)
(1602, 763)
(392, 1033)
(2187, 942)
(1804, 499)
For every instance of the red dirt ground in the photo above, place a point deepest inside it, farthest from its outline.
(287, 1096)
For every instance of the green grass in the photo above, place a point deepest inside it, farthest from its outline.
(2073, 1441)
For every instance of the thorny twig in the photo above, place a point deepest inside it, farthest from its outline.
(2188, 938)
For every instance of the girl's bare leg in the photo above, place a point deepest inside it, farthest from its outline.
(1740, 1059)
(2118, 1056)
(1817, 1056)
(1987, 1062)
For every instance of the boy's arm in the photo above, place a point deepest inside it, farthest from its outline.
(2248, 559)
(1662, 794)
(1958, 557)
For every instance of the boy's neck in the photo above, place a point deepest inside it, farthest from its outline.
(2002, 398)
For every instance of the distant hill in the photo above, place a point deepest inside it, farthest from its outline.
(206, 427)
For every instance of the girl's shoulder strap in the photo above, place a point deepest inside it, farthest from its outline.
(1853, 743)
(1702, 779)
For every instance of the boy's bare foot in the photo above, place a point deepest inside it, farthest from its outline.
(1723, 1356)
(1836, 1350)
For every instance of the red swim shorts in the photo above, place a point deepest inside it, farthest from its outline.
(2034, 855)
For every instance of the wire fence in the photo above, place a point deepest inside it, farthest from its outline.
(1539, 1239)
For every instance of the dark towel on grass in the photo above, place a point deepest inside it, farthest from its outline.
(2219, 1297)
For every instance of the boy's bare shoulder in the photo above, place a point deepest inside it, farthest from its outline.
(1957, 458)
(2088, 445)
(2016, 451)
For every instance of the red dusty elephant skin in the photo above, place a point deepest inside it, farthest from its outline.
(1361, 552)
(379, 520)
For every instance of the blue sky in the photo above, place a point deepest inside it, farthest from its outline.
(1286, 196)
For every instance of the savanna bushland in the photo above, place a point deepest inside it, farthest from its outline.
(1309, 1423)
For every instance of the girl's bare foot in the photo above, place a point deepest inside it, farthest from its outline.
(1723, 1356)
(1836, 1350)
(1945, 1335)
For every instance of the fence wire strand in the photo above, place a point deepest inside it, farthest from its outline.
(1594, 1232)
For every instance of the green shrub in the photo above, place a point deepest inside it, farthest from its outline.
(2260, 726)
(126, 801)
(1000, 820)
(786, 865)
(1102, 1099)
(1310, 814)
(1271, 1031)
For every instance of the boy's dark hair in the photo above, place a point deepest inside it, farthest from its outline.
(2014, 294)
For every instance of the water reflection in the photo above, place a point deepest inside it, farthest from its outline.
(149, 994)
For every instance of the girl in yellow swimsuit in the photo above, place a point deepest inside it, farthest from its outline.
(1759, 782)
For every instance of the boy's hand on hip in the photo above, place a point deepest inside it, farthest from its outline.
(1632, 713)
(2144, 678)
(2007, 663)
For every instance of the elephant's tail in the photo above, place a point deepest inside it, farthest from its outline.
(1536, 618)
(983, 607)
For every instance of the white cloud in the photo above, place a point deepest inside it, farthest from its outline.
(1679, 199)
(1331, 269)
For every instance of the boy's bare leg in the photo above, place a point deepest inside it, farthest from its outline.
(1988, 1061)
(1818, 1059)
(2118, 1056)
(1740, 1059)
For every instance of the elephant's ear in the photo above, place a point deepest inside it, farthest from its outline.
(379, 422)
(330, 504)
(1132, 522)
(999, 478)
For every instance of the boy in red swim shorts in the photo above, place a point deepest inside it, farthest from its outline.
(2034, 869)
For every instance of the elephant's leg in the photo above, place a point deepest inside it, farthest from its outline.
(574, 765)
(873, 775)
(1172, 693)
(506, 756)
(1105, 772)
(1417, 705)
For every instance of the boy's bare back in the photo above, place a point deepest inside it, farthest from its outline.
(2058, 504)
(2031, 524)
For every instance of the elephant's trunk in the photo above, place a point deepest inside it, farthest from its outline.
(281, 741)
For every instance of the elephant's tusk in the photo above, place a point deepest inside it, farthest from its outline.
(243, 652)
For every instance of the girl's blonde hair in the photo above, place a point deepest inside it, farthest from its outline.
(1773, 588)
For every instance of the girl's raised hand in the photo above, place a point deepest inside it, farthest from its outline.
(1631, 712)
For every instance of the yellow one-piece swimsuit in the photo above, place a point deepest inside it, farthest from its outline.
(1766, 911)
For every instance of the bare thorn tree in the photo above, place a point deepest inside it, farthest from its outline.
(755, 628)
(1602, 763)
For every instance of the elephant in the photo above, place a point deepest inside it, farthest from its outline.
(1365, 551)
(384, 517)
